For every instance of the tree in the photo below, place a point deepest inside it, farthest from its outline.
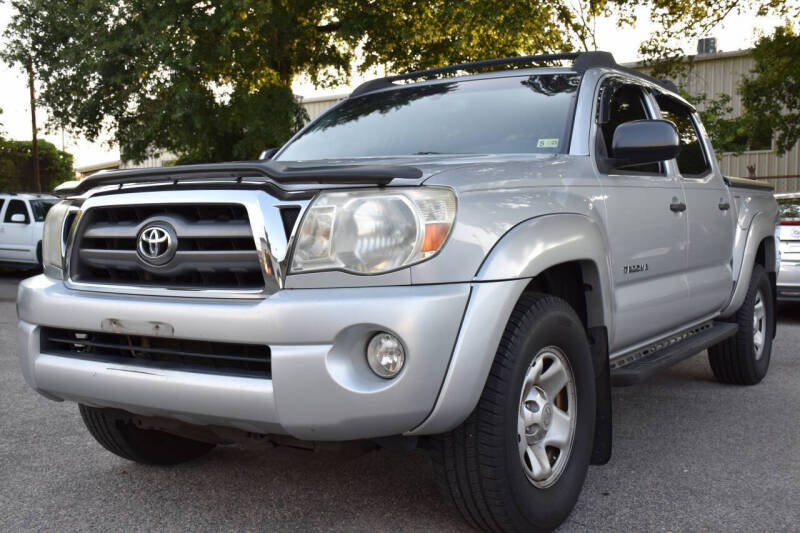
(19, 51)
(682, 21)
(16, 165)
(772, 95)
(211, 80)
(727, 133)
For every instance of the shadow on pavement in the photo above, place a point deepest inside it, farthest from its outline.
(788, 313)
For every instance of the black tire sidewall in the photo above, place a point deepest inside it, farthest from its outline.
(558, 327)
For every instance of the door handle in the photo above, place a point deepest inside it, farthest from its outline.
(677, 207)
(724, 206)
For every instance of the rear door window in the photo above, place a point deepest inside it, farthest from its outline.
(789, 211)
(692, 160)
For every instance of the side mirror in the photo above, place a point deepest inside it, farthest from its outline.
(19, 218)
(268, 153)
(644, 141)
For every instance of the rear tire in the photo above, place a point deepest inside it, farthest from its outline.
(492, 467)
(744, 358)
(116, 431)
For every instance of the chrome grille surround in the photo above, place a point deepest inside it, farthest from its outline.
(272, 244)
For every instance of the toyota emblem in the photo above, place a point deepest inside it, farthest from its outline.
(157, 243)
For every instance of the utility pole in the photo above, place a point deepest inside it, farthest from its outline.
(37, 183)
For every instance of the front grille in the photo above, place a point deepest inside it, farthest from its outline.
(215, 247)
(181, 354)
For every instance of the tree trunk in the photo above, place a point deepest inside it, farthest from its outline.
(37, 183)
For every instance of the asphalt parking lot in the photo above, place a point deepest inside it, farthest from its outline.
(689, 454)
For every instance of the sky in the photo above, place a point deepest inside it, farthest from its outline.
(739, 31)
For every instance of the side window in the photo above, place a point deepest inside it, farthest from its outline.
(2, 201)
(692, 160)
(627, 103)
(17, 207)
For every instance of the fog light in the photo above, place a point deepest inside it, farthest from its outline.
(385, 355)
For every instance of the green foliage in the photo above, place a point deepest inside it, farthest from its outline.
(772, 95)
(211, 80)
(16, 165)
(684, 21)
(200, 128)
(728, 134)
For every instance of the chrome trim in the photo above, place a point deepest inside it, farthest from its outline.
(52, 271)
(74, 209)
(266, 223)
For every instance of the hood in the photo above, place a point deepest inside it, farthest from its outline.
(300, 178)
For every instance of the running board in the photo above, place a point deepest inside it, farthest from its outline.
(634, 367)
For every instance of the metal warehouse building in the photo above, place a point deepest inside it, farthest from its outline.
(720, 73)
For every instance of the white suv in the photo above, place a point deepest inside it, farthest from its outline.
(21, 220)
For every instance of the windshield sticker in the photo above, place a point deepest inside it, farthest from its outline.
(547, 143)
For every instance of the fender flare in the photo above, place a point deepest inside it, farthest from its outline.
(523, 252)
(761, 227)
(539, 243)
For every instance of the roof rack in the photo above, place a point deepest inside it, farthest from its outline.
(581, 61)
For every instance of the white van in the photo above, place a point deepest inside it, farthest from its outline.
(21, 221)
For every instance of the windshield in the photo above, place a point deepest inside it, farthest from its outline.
(789, 209)
(517, 114)
(40, 209)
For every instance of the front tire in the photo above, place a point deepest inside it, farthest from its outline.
(519, 461)
(116, 431)
(744, 358)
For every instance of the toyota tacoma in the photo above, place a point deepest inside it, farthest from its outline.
(463, 262)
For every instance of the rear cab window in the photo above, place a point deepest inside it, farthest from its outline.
(789, 211)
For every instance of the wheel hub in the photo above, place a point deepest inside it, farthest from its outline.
(538, 415)
(759, 325)
(547, 417)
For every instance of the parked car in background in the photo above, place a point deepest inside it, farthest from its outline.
(789, 234)
(21, 222)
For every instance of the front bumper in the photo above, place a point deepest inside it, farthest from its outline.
(320, 388)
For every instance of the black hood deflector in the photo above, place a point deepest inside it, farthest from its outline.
(266, 171)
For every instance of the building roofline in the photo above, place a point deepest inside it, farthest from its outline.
(700, 57)
(98, 166)
(312, 99)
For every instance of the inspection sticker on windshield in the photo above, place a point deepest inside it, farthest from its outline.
(547, 143)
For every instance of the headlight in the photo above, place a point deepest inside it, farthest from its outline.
(54, 238)
(371, 232)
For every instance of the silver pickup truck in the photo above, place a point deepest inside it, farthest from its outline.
(464, 263)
